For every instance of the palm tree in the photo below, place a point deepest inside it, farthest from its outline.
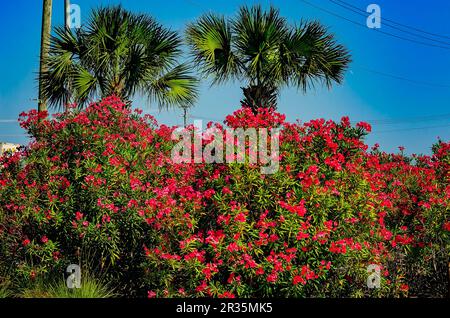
(117, 53)
(260, 48)
(45, 38)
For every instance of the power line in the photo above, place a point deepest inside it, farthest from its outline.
(21, 135)
(194, 3)
(205, 118)
(398, 23)
(378, 122)
(406, 120)
(375, 71)
(409, 129)
(371, 121)
(359, 11)
(403, 78)
(377, 30)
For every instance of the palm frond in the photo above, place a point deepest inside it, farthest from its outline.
(117, 52)
(316, 56)
(57, 79)
(175, 87)
(258, 36)
(85, 86)
(210, 41)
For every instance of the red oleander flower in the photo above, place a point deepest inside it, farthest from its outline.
(227, 294)
(135, 183)
(259, 271)
(240, 217)
(339, 247)
(226, 190)
(404, 288)
(202, 287)
(447, 226)
(233, 247)
(298, 280)
(331, 196)
(272, 278)
(364, 126)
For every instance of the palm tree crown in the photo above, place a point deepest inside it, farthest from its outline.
(118, 53)
(261, 48)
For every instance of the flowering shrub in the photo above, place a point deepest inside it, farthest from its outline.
(101, 182)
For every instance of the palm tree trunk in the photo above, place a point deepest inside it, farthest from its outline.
(259, 96)
(45, 39)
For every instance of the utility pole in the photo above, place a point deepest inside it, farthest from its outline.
(67, 23)
(45, 40)
(67, 14)
(185, 109)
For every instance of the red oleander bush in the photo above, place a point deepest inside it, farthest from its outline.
(99, 186)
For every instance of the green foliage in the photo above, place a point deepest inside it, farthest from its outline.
(101, 184)
(260, 48)
(117, 53)
(5, 291)
(90, 287)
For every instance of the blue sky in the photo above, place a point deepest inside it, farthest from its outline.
(403, 113)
